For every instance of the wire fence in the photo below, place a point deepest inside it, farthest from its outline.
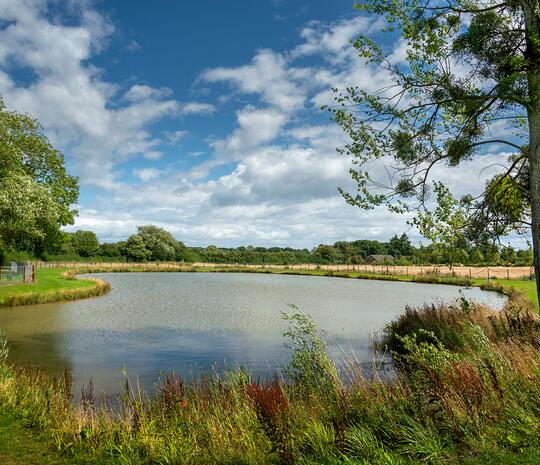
(17, 273)
(471, 272)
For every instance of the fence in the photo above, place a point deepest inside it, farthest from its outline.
(17, 273)
(471, 272)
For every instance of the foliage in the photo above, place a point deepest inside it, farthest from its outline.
(476, 405)
(135, 250)
(310, 368)
(36, 193)
(85, 243)
(469, 67)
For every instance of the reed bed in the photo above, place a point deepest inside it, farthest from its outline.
(466, 389)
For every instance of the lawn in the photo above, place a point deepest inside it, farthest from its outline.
(527, 286)
(46, 281)
(50, 286)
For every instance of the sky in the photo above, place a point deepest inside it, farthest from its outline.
(203, 117)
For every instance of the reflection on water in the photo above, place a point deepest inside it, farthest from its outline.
(189, 322)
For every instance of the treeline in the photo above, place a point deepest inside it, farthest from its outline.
(152, 243)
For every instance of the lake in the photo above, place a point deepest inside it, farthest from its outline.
(190, 322)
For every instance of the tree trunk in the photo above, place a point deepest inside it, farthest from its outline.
(534, 166)
(532, 24)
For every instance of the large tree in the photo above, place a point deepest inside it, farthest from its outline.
(160, 243)
(469, 84)
(85, 243)
(36, 192)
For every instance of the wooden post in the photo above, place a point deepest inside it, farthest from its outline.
(488, 273)
(507, 274)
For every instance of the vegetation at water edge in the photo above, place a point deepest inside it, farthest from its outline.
(466, 389)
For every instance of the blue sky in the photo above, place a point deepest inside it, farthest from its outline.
(201, 117)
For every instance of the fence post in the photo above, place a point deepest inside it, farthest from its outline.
(507, 274)
(488, 273)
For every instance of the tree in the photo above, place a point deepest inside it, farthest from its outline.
(36, 193)
(471, 66)
(85, 243)
(160, 243)
(135, 250)
(400, 246)
(444, 225)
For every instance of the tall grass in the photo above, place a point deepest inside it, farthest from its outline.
(466, 389)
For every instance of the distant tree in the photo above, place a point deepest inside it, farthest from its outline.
(36, 193)
(327, 253)
(476, 257)
(159, 242)
(508, 255)
(400, 246)
(470, 67)
(85, 243)
(135, 249)
(111, 250)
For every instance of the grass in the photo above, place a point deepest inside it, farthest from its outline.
(52, 285)
(466, 389)
(23, 445)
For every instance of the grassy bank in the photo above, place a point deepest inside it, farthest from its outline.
(466, 390)
(53, 285)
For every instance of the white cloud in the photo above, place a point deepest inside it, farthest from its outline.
(146, 174)
(268, 75)
(85, 115)
(256, 127)
(175, 136)
(138, 92)
(281, 187)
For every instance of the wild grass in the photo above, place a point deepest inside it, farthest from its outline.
(466, 389)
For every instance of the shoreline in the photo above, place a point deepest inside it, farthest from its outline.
(93, 287)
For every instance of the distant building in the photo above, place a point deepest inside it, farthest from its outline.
(379, 259)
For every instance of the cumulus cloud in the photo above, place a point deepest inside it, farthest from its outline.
(96, 123)
(271, 180)
(146, 174)
(269, 76)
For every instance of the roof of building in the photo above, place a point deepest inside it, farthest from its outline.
(379, 258)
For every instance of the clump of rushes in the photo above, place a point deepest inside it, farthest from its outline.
(466, 389)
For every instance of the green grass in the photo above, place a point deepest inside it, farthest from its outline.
(528, 287)
(52, 285)
(22, 445)
(469, 396)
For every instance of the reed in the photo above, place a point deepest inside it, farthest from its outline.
(466, 389)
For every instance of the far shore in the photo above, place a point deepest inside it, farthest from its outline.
(58, 281)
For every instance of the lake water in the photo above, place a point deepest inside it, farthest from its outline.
(189, 322)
